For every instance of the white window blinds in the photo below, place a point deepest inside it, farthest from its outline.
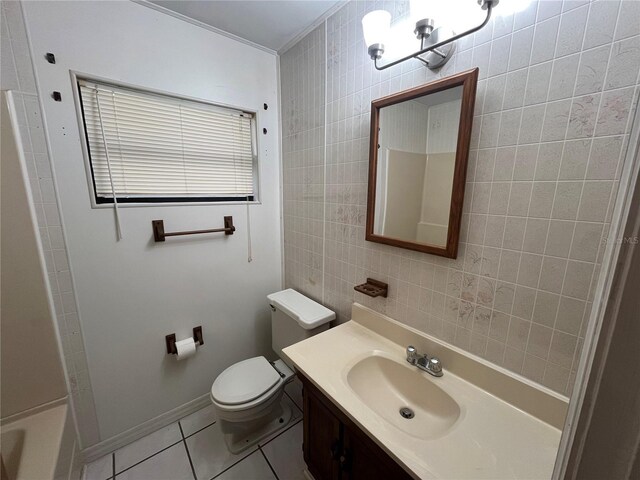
(161, 148)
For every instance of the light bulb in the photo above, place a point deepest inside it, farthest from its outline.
(375, 27)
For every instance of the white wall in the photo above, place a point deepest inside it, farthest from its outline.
(403, 185)
(403, 127)
(133, 292)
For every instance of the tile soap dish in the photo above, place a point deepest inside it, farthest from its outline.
(373, 288)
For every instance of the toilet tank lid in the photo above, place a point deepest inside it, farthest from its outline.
(308, 313)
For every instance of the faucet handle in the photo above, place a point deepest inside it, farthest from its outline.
(434, 366)
(412, 354)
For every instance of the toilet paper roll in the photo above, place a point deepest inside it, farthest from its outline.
(185, 348)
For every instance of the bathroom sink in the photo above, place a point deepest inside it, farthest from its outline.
(403, 396)
(476, 422)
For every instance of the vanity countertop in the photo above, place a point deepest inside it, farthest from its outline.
(507, 426)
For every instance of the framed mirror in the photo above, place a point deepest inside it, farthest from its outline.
(418, 163)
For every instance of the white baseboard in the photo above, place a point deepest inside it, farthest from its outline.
(98, 450)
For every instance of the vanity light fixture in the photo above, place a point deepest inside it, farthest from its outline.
(436, 43)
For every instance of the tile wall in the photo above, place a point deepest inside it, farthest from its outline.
(17, 74)
(303, 73)
(558, 84)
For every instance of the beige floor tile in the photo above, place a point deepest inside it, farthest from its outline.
(100, 469)
(285, 454)
(145, 447)
(254, 467)
(170, 464)
(198, 420)
(209, 452)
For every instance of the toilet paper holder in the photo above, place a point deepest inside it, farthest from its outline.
(171, 340)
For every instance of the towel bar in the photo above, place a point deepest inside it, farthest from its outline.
(159, 234)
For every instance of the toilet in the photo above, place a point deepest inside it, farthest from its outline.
(247, 396)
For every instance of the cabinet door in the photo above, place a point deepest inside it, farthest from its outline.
(361, 459)
(322, 446)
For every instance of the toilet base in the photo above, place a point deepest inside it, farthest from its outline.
(247, 435)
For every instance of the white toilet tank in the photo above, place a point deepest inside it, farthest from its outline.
(295, 317)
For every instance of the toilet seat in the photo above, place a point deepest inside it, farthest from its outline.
(245, 384)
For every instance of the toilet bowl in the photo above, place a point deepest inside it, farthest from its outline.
(247, 396)
(247, 399)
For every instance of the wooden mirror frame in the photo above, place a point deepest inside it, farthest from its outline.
(468, 80)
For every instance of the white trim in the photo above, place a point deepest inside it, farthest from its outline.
(131, 435)
(21, 92)
(317, 22)
(280, 172)
(206, 26)
(72, 460)
(34, 410)
(630, 172)
(299, 36)
(325, 106)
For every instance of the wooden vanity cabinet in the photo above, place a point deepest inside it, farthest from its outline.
(335, 448)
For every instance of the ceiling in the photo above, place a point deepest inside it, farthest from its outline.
(270, 23)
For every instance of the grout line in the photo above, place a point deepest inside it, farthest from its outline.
(236, 463)
(199, 430)
(593, 136)
(613, 193)
(576, 220)
(269, 463)
(497, 147)
(289, 427)
(526, 84)
(186, 447)
(292, 400)
(113, 465)
(146, 458)
(535, 171)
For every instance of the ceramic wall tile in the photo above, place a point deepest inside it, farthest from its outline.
(547, 141)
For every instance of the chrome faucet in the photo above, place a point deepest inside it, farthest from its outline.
(430, 365)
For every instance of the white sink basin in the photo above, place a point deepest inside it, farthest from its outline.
(476, 422)
(386, 386)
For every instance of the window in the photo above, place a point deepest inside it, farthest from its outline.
(145, 147)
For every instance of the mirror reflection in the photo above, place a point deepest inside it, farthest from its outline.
(416, 161)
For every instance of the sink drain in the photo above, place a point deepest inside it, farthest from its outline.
(406, 412)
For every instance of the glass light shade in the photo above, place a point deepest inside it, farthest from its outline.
(375, 26)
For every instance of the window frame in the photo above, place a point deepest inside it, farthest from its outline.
(99, 202)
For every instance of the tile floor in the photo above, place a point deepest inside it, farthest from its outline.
(193, 449)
